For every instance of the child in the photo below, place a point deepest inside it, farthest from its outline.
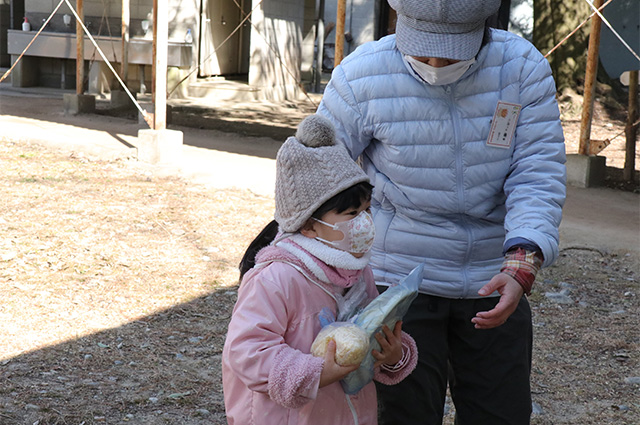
(319, 259)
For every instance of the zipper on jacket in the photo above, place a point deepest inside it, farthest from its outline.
(466, 283)
(353, 409)
(458, 149)
(460, 188)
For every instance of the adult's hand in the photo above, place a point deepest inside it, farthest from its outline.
(510, 294)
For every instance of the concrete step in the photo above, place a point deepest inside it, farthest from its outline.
(223, 89)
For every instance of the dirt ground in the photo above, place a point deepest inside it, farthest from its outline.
(117, 287)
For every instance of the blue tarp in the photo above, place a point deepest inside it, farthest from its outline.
(624, 17)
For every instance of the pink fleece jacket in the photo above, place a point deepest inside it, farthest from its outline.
(269, 377)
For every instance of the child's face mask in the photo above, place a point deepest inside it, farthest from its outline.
(359, 233)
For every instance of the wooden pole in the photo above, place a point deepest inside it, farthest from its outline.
(161, 49)
(590, 81)
(631, 131)
(79, 49)
(339, 53)
(320, 50)
(153, 51)
(126, 21)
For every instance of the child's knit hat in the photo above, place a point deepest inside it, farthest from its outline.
(311, 168)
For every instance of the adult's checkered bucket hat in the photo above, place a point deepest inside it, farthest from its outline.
(451, 29)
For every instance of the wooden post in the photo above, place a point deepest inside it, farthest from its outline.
(631, 131)
(126, 21)
(339, 51)
(590, 81)
(153, 52)
(161, 49)
(320, 49)
(79, 49)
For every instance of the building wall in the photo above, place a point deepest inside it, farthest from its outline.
(285, 35)
(308, 40)
(360, 23)
(276, 48)
(103, 17)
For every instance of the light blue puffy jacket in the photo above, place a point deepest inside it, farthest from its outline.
(442, 195)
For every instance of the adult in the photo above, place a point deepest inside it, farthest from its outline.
(458, 128)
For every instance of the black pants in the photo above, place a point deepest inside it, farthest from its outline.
(487, 370)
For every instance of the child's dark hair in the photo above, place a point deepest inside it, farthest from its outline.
(352, 197)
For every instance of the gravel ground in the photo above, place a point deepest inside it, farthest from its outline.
(116, 301)
(118, 285)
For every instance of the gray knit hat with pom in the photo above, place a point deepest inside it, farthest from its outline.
(311, 168)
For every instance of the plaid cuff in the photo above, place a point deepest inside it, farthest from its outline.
(522, 265)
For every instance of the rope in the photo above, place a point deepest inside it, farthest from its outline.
(577, 28)
(144, 113)
(104, 19)
(613, 30)
(6, 74)
(623, 131)
(597, 11)
(147, 117)
(215, 49)
(93, 55)
(247, 17)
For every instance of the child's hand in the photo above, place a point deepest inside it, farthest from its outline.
(331, 371)
(391, 346)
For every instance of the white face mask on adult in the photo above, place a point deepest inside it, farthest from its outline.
(439, 76)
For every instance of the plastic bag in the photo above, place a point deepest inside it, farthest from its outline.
(386, 309)
(353, 302)
(352, 343)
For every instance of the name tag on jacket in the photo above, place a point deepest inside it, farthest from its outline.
(503, 125)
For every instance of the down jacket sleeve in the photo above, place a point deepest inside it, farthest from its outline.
(339, 101)
(425, 149)
(535, 187)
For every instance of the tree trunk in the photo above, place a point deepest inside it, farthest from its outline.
(554, 20)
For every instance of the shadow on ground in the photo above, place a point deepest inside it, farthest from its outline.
(252, 119)
(164, 368)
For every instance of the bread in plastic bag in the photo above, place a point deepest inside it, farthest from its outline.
(352, 343)
(386, 309)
